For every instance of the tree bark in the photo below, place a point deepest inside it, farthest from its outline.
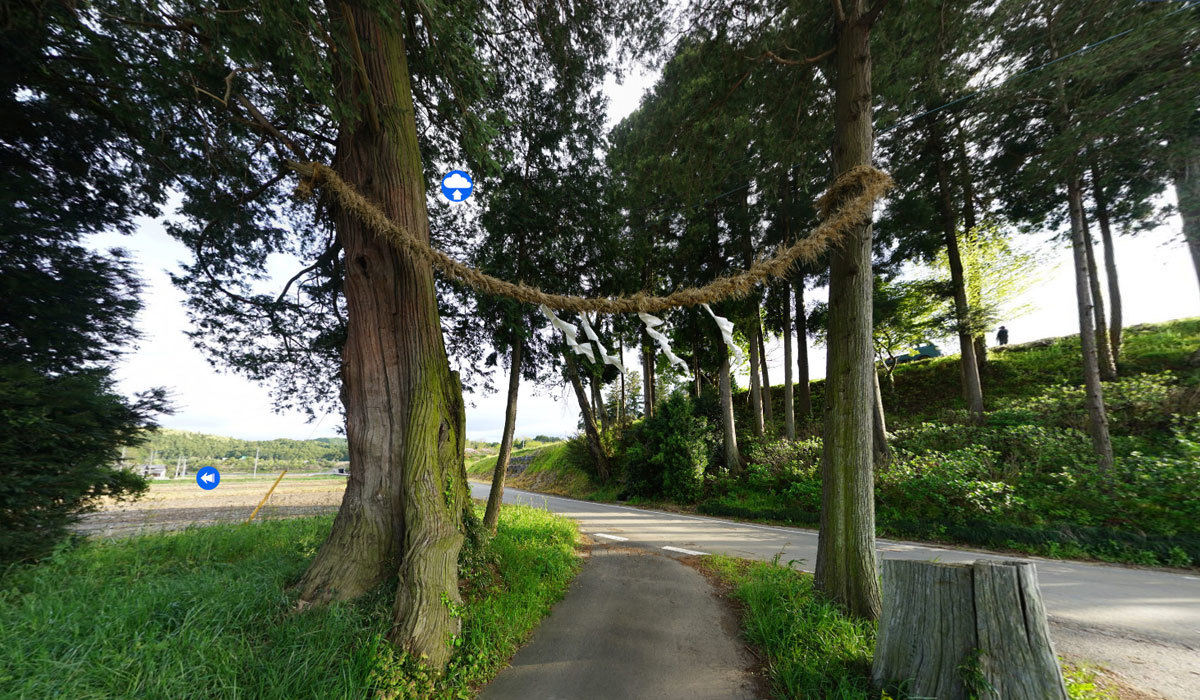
(968, 364)
(1186, 178)
(407, 492)
(733, 459)
(802, 381)
(789, 407)
(491, 516)
(756, 414)
(647, 376)
(1116, 323)
(598, 402)
(1094, 393)
(958, 631)
(1108, 368)
(846, 569)
(621, 406)
(768, 408)
(882, 452)
(595, 445)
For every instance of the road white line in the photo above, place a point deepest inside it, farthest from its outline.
(681, 550)
(611, 537)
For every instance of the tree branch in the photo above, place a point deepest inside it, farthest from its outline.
(873, 14)
(839, 12)
(270, 128)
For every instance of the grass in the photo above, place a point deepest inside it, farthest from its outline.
(205, 614)
(811, 648)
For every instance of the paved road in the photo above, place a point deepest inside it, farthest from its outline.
(633, 625)
(1142, 624)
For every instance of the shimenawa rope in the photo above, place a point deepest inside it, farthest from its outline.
(847, 203)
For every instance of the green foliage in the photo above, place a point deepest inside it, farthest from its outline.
(60, 435)
(200, 613)
(666, 454)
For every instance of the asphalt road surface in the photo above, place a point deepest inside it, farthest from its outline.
(1142, 624)
(632, 625)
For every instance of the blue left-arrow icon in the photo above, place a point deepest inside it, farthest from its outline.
(208, 478)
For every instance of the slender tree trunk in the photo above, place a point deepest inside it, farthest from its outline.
(621, 406)
(882, 452)
(1186, 177)
(733, 459)
(846, 568)
(595, 445)
(1115, 325)
(695, 372)
(647, 376)
(405, 500)
(768, 407)
(802, 380)
(598, 402)
(1094, 397)
(491, 516)
(789, 408)
(968, 364)
(1108, 368)
(756, 412)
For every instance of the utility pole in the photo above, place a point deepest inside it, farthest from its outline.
(256, 449)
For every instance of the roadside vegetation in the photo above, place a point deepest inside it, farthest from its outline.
(205, 612)
(810, 647)
(1025, 479)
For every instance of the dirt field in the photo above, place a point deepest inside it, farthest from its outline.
(178, 503)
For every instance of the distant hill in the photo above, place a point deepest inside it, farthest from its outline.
(168, 445)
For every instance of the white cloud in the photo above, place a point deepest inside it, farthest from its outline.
(456, 182)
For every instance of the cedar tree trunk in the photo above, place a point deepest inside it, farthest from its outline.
(968, 364)
(1104, 356)
(1116, 323)
(733, 459)
(789, 408)
(846, 569)
(495, 497)
(768, 409)
(802, 382)
(1094, 397)
(595, 446)
(405, 499)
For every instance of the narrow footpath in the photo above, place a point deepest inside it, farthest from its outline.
(633, 625)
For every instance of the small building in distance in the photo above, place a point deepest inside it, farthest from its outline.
(153, 471)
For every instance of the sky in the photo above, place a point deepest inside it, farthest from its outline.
(1158, 283)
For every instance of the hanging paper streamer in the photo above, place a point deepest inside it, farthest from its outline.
(726, 327)
(613, 360)
(570, 331)
(651, 322)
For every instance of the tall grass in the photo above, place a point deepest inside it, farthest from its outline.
(205, 614)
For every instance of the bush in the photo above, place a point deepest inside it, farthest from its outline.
(666, 455)
(59, 437)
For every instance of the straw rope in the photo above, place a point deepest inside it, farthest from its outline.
(848, 203)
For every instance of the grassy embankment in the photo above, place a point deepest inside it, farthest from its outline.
(550, 470)
(206, 613)
(1025, 480)
(809, 647)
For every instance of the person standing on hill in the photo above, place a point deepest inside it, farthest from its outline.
(1002, 336)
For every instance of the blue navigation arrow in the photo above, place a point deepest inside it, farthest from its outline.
(208, 478)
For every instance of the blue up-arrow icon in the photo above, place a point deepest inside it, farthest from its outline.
(208, 478)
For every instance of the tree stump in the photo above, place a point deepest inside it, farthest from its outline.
(958, 631)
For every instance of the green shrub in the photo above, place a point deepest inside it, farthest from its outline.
(60, 436)
(666, 455)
